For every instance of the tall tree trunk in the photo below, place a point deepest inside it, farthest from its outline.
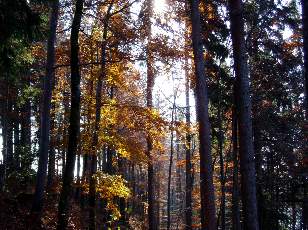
(170, 167)
(51, 157)
(52, 150)
(208, 213)
(158, 190)
(236, 222)
(149, 103)
(78, 184)
(74, 127)
(189, 185)
(16, 138)
(222, 173)
(305, 209)
(98, 99)
(64, 129)
(25, 134)
(244, 114)
(4, 123)
(45, 118)
(9, 144)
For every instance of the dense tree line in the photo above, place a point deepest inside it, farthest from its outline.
(99, 129)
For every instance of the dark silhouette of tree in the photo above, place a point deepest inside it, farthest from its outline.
(244, 116)
(45, 118)
(208, 216)
(74, 120)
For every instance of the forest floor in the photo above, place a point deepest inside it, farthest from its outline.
(15, 212)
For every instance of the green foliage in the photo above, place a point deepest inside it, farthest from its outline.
(28, 93)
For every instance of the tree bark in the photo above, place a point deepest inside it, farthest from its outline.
(51, 158)
(16, 138)
(236, 222)
(247, 163)
(149, 104)
(222, 173)
(64, 129)
(98, 99)
(170, 168)
(208, 213)
(25, 134)
(52, 150)
(9, 133)
(74, 127)
(189, 185)
(45, 118)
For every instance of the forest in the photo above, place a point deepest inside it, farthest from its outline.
(154, 114)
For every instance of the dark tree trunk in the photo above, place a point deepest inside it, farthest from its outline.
(16, 138)
(208, 213)
(9, 144)
(157, 201)
(84, 178)
(149, 101)
(189, 185)
(151, 198)
(244, 117)
(64, 129)
(236, 222)
(45, 117)
(98, 99)
(25, 134)
(51, 159)
(222, 173)
(52, 150)
(74, 127)
(4, 123)
(78, 184)
(170, 168)
(305, 209)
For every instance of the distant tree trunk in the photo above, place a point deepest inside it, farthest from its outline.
(189, 185)
(236, 222)
(149, 101)
(78, 184)
(305, 209)
(51, 158)
(85, 161)
(52, 150)
(45, 118)
(64, 129)
(151, 198)
(16, 138)
(85, 156)
(158, 182)
(9, 133)
(208, 213)
(244, 114)
(222, 173)
(4, 123)
(170, 168)
(25, 134)
(74, 127)
(98, 99)
(293, 216)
